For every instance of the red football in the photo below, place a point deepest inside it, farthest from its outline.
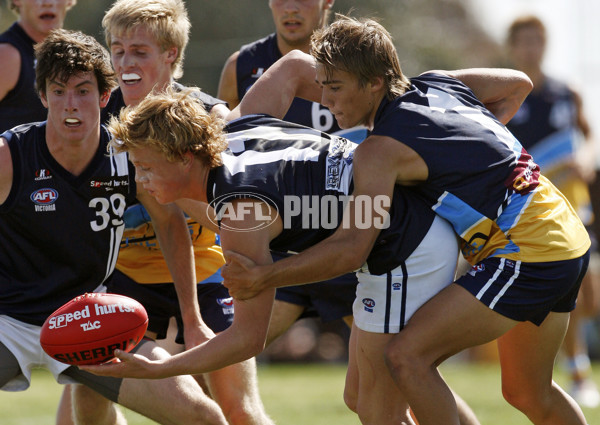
(88, 329)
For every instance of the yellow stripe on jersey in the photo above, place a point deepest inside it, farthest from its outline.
(547, 229)
(142, 260)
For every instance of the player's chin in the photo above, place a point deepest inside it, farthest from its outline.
(158, 196)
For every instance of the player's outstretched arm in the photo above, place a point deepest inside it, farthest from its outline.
(246, 336)
(501, 90)
(291, 76)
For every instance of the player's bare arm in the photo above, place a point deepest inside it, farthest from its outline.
(11, 68)
(245, 338)
(227, 90)
(291, 76)
(199, 211)
(6, 170)
(501, 90)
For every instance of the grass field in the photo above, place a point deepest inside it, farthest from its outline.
(296, 394)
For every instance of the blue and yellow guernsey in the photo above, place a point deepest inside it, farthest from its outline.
(140, 256)
(480, 177)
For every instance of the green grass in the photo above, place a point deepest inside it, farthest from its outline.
(296, 394)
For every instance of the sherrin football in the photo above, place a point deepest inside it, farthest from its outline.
(89, 328)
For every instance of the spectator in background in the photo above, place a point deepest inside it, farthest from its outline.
(19, 101)
(552, 127)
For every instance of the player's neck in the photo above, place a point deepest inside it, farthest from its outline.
(285, 47)
(198, 182)
(34, 34)
(74, 155)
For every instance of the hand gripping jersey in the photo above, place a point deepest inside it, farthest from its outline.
(255, 58)
(140, 257)
(480, 178)
(306, 176)
(22, 104)
(59, 234)
(546, 125)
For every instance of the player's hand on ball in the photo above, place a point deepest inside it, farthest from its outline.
(129, 366)
(240, 276)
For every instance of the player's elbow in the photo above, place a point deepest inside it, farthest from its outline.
(254, 345)
(252, 342)
(351, 260)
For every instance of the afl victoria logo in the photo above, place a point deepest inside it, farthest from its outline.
(44, 196)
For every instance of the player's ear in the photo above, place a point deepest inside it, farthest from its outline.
(187, 159)
(376, 83)
(43, 98)
(104, 98)
(172, 54)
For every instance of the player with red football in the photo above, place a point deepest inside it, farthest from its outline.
(62, 199)
(89, 328)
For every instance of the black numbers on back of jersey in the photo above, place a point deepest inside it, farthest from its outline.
(109, 211)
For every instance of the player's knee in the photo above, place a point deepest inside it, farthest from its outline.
(203, 415)
(400, 359)
(243, 414)
(351, 399)
(521, 398)
(89, 407)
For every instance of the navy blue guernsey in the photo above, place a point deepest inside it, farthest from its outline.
(21, 105)
(441, 119)
(255, 58)
(544, 112)
(53, 220)
(116, 102)
(285, 164)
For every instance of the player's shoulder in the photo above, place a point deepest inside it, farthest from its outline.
(9, 55)
(258, 45)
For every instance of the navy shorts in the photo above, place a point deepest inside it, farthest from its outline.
(161, 303)
(526, 291)
(330, 300)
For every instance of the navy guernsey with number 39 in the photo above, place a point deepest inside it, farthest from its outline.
(46, 203)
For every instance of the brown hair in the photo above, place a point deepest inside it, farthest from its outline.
(66, 53)
(173, 123)
(523, 22)
(363, 48)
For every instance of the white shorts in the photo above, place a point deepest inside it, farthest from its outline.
(23, 341)
(384, 303)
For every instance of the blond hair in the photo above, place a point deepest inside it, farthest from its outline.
(166, 20)
(174, 123)
(363, 48)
